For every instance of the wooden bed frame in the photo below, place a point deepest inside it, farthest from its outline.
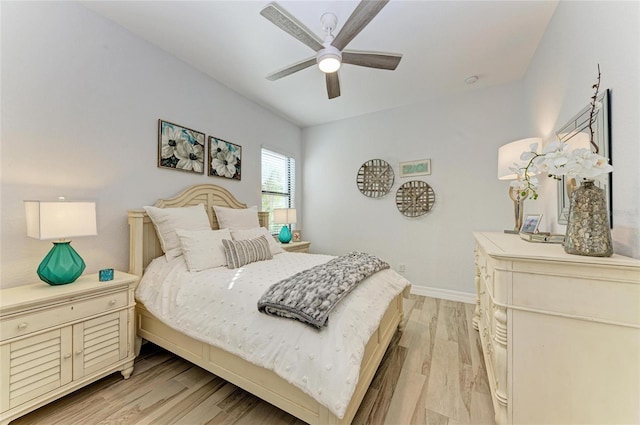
(144, 247)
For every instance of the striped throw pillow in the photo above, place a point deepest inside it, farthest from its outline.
(240, 253)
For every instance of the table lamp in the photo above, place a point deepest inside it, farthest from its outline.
(286, 216)
(508, 155)
(60, 220)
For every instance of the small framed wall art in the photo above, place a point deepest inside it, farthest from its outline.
(421, 167)
(180, 148)
(225, 159)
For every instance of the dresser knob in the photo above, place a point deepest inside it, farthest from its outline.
(78, 352)
(22, 326)
(68, 355)
(112, 302)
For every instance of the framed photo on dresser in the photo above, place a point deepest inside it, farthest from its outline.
(530, 223)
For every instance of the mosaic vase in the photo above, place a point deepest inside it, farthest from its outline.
(588, 231)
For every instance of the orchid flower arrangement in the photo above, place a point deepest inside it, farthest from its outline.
(557, 160)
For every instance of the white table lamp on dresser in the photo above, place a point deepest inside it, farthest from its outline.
(508, 156)
(560, 333)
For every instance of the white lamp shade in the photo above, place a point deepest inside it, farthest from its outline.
(510, 153)
(59, 220)
(284, 215)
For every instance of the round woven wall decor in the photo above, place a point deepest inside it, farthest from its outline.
(415, 198)
(375, 178)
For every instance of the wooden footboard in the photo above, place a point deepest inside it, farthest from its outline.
(264, 383)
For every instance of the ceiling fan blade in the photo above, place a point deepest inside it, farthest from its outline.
(281, 18)
(333, 85)
(361, 16)
(388, 61)
(299, 66)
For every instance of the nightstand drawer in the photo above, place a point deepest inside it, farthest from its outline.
(44, 319)
(302, 246)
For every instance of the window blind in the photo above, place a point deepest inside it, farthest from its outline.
(278, 184)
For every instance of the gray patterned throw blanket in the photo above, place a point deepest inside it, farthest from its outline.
(309, 296)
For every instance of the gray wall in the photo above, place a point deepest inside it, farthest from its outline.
(81, 98)
(461, 135)
(580, 36)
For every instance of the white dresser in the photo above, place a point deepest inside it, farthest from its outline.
(560, 333)
(56, 339)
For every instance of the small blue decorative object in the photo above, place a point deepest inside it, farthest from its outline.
(285, 235)
(105, 275)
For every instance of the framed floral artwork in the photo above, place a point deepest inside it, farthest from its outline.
(180, 148)
(225, 159)
(296, 236)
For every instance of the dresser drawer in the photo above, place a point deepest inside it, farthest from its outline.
(44, 319)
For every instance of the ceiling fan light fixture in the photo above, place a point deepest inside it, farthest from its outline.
(329, 59)
(328, 55)
(329, 63)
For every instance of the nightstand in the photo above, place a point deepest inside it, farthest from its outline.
(56, 339)
(302, 246)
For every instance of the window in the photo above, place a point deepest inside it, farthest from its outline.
(278, 184)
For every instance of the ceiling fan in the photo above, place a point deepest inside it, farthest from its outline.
(329, 53)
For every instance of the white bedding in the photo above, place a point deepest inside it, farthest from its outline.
(219, 306)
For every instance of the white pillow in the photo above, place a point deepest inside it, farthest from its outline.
(167, 220)
(203, 249)
(237, 218)
(244, 234)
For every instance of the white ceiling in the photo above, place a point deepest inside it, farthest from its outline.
(442, 43)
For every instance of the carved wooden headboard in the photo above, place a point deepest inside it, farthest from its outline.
(144, 245)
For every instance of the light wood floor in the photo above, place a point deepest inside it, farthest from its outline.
(433, 373)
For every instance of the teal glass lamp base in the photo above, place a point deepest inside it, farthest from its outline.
(285, 234)
(62, 265)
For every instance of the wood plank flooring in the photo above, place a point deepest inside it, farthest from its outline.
(432, 374)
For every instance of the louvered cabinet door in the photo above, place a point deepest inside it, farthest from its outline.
(99, 343)
(34, 366)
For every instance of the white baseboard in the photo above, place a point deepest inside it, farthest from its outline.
(445, 294)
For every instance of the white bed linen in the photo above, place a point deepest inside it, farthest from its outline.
(219, 306)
